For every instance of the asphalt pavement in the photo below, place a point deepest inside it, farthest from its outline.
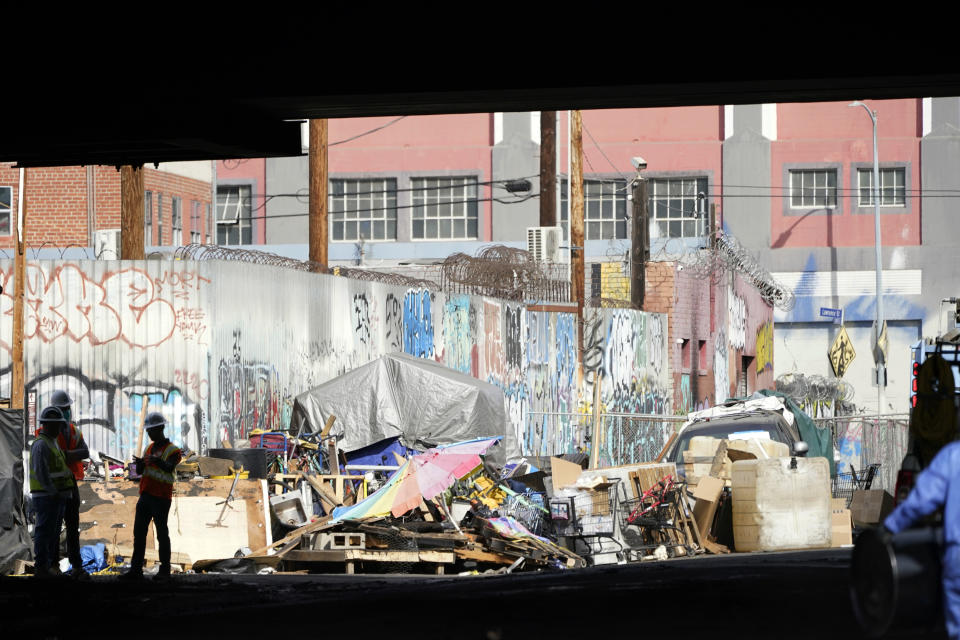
(755, 595)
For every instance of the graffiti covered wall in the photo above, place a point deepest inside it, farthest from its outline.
(222, 349)
(625, 351)
(118, 337)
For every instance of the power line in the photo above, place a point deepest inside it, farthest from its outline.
(303, 195)
(366, 133)
(411, 206)
(590, 135)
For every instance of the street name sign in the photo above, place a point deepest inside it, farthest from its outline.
(836, 314)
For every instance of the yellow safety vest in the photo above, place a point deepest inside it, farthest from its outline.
(59, 471)
(155, 480)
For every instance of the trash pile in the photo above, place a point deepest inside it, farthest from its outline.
(388, 509)
(439, 510)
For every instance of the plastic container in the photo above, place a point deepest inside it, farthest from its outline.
(776, 507)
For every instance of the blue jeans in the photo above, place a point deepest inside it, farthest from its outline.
(46, 534)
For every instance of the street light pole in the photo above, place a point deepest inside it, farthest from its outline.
(875, 191)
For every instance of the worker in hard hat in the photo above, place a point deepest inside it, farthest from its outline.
(75, 451)
(938, 486)
(50, 488)
(157, 469)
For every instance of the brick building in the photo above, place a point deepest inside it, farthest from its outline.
(80, 206)
(791, 182)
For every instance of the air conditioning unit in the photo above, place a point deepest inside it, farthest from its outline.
(544, 244)
(106, 244)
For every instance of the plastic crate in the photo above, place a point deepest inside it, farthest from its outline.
(274, 441)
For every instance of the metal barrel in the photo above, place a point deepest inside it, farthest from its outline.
(896, 584)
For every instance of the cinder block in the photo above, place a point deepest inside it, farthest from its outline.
(340, 541)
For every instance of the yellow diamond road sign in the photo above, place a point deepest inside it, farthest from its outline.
(841, 353)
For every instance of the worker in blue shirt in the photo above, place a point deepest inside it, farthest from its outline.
(938, 486)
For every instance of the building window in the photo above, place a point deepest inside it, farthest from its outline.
(196, 237)
(813, 188)
(147, 218)
(363, 209)
(6, 210)
(604, 206)
(445, 208)
(234, 225)
(176, 219)
(678, 207)
(893, 187)
(159, 219)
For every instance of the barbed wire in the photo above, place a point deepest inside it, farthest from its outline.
(505, 272)
(815, 388)
(724, 254)
(201, 252)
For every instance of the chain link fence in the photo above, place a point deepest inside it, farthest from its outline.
(863, 440)
(626, 438)
(622, 438)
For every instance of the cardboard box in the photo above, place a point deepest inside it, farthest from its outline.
(707, 496)
(565, 474)
(870, 506)
(840, 523)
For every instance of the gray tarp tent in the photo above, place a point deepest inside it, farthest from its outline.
(421, 401)
(15, 541)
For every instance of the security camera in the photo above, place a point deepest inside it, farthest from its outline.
(638, 163)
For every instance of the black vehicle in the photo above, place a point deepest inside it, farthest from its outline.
(722, 427)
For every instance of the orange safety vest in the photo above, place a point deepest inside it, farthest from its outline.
(156, 481)
(68, 440)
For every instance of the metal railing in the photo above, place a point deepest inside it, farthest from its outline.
(862, 440)
(622, 438)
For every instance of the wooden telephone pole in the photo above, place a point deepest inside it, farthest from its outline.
(131, 213)
(318, 191)
(639, 243)
(19, 281)
(548, 168)
(577, 241)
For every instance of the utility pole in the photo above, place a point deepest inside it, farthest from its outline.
(318, 191)
(577, 242)
(19, 281)
(548, 168)
(131, 213)
(879, 333)
(712, 231)
(639, 243)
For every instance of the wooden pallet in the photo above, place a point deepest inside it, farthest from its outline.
(350, 557)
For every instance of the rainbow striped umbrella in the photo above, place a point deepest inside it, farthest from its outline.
(422, 477)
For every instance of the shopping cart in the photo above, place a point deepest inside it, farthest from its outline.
(588, 513)
(845, 483)
(529, 509)
(654, 519)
